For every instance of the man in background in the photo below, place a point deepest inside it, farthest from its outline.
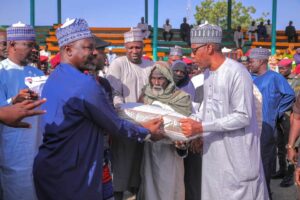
(3, 45)
(185, 32)
(21, 145)
(167, 31)
(127, 76)
(291, 33)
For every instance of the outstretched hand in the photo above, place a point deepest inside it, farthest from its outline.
(14, 114)
(154, 126)
(190, 127)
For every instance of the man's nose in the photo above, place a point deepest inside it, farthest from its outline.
(134, 50)
(156, 82)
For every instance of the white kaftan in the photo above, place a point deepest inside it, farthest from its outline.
(127, 80)
(162, 170)
(232, 167)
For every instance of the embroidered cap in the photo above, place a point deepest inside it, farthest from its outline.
(259, 53)
(176, 51)
(206, 33)
(20, 31)
(73, 30)
(134, 35)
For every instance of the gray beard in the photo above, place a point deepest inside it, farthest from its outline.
(157, 91)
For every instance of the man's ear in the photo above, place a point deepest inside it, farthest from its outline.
(209, 49)
(11, 44)
(68, 49)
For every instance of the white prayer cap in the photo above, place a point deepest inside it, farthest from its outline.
(134, 35)
(206, 33)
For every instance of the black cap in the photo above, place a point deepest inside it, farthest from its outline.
(101, 43)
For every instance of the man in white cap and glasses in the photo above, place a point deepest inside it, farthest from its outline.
(69, 162)
(232, 167)
(128, 75)
(18, 146)
(278, 97)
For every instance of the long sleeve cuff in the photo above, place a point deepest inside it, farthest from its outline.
(135, 131)
(144, 134)
(209, 127)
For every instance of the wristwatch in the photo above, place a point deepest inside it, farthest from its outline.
(288, 146)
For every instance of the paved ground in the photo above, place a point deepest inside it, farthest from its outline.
(280, 193)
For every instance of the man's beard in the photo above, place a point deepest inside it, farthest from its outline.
(157, 91)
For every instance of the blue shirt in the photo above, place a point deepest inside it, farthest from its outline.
(69, 162)
(278, 96)
(18, 146)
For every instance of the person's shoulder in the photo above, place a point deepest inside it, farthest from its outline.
(120, 59)
(178, 91)
(234, 65)
(35, 70)
(275, 76)
(147, 63)
(236, 68)
(88, 85)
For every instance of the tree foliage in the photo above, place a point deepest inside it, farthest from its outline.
(215, 12)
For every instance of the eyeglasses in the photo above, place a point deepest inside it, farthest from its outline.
(194, 50)
(25, 44)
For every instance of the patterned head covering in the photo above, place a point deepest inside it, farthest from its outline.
(73, 30)
(206, 33)
(134, 35)
(285, 63)
(20, 31)
(176, 99)
(176, 51)
(260, 53)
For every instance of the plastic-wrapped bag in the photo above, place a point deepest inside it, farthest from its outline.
(36, 83)
(138, 112)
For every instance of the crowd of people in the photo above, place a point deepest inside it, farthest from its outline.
(262, 32)
(242, 114)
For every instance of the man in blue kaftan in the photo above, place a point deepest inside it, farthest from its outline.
(18, 147)
(278, 97)
(69, 162)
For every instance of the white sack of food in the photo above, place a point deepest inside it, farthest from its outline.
(36, 83)
(138, 112)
